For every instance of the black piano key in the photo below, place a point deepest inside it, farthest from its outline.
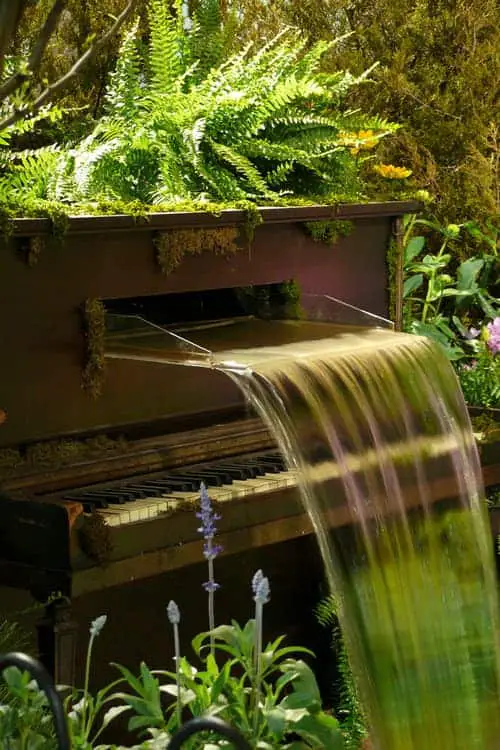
(215, 470)
(127, 493)
(88, 502)
(145, 490)
(173, 485)
(236, 471)
(211, 477)
(249, 471)
(111, 496)
(275, 461)
(211, 480)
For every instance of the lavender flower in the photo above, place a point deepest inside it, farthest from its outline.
(258, 576)
(97, 625)
(173, 613)
(494, 336)
(208, 528)
(261, 591)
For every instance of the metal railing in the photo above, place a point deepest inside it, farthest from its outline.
(193, 726)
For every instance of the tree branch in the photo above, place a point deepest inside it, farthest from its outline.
(17, 79)
(11, 12)
(49, 92)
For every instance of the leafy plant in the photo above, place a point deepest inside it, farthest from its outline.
(265, 692)
(446, 299)
(256, 126)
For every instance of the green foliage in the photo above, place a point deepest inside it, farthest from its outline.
(260, 125)
(438, 74)
(442, 301)
(350, 712)
(480, 380)
(25, 720)
(290, 705)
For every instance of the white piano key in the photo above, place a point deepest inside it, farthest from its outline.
(149, 508)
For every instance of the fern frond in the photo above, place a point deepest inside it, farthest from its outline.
(123, 95)
(165, 48)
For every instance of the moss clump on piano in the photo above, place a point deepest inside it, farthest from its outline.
(329, 232)
(173, 245)
(94, 328)
(55, 454)
(95, 538)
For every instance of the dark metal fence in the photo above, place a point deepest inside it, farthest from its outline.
(39, 673)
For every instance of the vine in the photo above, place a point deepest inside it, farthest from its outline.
(94, 325)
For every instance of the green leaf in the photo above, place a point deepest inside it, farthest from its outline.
(413, 248)
(305, 689)
(411, 284)
(467, 274)
(322, 730)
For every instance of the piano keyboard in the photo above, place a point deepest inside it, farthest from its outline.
(144, 498)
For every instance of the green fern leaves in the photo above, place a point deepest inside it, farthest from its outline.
(188, 121)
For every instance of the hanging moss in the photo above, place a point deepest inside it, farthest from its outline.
(35, 247)
(254, 219)
(329, 232)
(94, 325)
(292, 309)
(393, 264)
(173, 245)
(95, 539)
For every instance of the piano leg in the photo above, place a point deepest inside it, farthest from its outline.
(57, 641)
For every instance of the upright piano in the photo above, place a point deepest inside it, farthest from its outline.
(101, 459)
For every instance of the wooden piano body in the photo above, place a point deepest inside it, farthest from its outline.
(149, 421)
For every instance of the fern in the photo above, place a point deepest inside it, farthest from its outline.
(350, 713)
(189, 120)
(124, 91)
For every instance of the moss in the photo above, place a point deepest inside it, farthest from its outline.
(55, 454)
(394, 274)
(35, 247)
(95, 539)
(328, 232)
(173, 245)
(94, 326)
(292, 309)
(10, 461)
(487, 426)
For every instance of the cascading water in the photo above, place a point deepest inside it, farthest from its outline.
(376, 425)
(411, 561)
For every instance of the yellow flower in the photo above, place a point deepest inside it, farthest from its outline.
(368, 139)
(390, 172)
(364, 140)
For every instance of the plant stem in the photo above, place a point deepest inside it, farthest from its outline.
(177, 649)
(86, 719)
(257, 666)
(430, 284)
(211, 602)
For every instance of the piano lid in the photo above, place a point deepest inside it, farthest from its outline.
(245, 340)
